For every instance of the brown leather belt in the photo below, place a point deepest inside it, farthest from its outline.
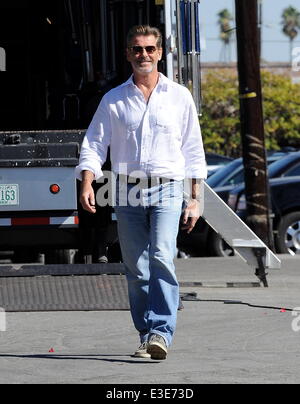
(145, 182)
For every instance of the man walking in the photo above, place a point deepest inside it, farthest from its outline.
(152, 128)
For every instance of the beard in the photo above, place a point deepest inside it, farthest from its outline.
(147, 68)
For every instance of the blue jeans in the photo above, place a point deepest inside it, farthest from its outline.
(147, 235)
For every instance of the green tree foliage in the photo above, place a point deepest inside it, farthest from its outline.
(220, 121)
(291, 22)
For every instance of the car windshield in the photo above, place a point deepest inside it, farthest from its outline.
(217, 178)
(216, 160)
(233, 173)
(277, 168)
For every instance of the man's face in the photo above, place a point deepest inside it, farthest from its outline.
(143, 54)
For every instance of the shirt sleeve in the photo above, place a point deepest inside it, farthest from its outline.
(94, 147)
(192, 143)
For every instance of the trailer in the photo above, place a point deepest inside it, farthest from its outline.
(62, 56)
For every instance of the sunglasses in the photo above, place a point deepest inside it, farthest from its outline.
(140, 49)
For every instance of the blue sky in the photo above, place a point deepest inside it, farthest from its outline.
(275, 43)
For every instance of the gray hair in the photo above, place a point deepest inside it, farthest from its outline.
(145, 30)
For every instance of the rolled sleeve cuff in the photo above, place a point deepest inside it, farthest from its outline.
(196, 172)
(98, 173)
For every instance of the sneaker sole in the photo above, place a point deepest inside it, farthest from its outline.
(141, 355)
(157, 351)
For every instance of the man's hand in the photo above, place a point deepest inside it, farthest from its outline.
(87, 194)
(191, 215)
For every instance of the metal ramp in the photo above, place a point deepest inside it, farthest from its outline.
(238, 235)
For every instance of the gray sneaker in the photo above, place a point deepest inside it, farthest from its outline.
(157, 347)
(141, 352)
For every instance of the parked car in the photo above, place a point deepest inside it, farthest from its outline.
(285, 201)
(287, 166)
(228, 177)
(204, 240)
(215, 162)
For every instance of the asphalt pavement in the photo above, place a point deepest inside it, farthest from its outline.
(236, 335)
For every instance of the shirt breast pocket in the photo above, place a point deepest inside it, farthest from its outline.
(167, 140)
(164, 123)
(167, 122)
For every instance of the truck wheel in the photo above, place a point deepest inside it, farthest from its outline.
(217, 247)
(288, 237)
(59, 257)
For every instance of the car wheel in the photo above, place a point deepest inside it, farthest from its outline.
(289, 234)
(217, 247)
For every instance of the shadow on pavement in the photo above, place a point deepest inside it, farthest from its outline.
(193, 298)
(78, 357)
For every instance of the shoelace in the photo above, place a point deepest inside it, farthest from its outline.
(143, 345)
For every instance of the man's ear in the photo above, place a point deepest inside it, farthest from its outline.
(160, 53)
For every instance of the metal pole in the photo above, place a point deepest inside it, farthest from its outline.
(103, 29)
(113, 40)
(195, 54)
(260, 27)
(168, 36)
(179, 43)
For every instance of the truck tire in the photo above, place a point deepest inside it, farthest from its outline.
(59, 256)
(217, 247)
(288, 236)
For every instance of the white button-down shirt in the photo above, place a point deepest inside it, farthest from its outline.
(160, 138)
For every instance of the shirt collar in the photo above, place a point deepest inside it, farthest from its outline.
(130, 82)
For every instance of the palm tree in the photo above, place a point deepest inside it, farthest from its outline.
(225, 33)
(291, 25)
